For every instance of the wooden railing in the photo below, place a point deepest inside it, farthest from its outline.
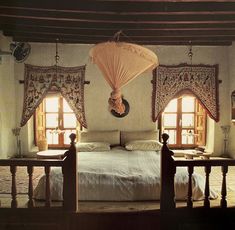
(70, 176)
(169, 165)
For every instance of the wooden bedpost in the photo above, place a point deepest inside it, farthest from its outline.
(167, 177)
(70, 172)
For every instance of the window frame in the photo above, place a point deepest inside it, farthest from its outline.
(60, 145)
(179, 126)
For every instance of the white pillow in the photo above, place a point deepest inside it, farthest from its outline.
(127, 136)
(149, 145)
(110, 136)
(92, 146)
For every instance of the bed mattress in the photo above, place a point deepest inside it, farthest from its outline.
(121, 175)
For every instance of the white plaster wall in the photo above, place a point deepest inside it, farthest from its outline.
(138, 92)
(231, 143)
(7, 101)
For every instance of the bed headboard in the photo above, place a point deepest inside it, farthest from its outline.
(127, 136)
(116, 137)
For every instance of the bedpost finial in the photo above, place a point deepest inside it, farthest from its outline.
(72, 137)
(165, 137)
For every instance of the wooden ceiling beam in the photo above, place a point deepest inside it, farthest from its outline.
(9, 24)
(120, 6)
(70, 13)
(118, 18)
(133, 33)
(121, 23)
(95, 37)
(146, 22)
(92, 41)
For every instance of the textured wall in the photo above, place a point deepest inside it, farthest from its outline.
(231, 143)
(138, 92)
(7, 102)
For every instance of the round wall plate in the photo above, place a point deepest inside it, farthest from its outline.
(127, 109)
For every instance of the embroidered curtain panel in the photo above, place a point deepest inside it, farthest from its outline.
(172, 81)
(121, 62)
(38, 80)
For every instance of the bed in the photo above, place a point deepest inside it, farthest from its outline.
(120, 166)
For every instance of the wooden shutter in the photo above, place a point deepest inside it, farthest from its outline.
(39, 120)
(200, 125)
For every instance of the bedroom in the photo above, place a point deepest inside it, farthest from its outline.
(138, 92)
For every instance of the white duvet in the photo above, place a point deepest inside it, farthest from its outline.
(121, 175)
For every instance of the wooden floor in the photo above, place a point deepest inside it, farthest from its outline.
(91, 207)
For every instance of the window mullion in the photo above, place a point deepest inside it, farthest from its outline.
(179, 121)
(61, 124)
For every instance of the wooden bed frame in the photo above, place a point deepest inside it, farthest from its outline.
(67, 217)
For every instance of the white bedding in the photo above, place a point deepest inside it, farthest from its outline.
(121, 175)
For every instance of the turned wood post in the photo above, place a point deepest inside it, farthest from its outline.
(207, 187)
(70, 186)
(13, 187)
(30, 187)
(190, 199)
(48, 186)
(223, 202)
(168, 170)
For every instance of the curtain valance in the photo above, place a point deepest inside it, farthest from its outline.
(38, 80)
(172, 81)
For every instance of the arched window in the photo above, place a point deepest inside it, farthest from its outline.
(184, 120)
(55, 121)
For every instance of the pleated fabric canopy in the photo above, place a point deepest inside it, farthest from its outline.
(121, 62)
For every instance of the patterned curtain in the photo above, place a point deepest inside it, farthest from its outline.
(38, 80)
(172, 81)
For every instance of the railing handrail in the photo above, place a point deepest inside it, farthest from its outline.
(169, 164)
(68, 165)
(32, 162)
(217, 161)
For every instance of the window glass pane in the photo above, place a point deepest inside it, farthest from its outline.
(52, 104)
(66, 106)
(51, 120)
(70, 121)
(172, 136)
(169, 120)
(52, 137)
(172, 106)
(66, 136)
(188, 104)
(187, 137)
(187, 120)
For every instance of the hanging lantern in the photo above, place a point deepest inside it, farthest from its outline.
(121, 62)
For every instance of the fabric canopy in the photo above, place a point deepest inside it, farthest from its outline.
(38, 80)
(121, 62)
(172, 81)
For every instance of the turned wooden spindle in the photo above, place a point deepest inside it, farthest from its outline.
(13, 186)
(48, 189)
(30, 187)
(168, 169)
(207, 187)
(223, 201)
(190, 199)
(70, 173)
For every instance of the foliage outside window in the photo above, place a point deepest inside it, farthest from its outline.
(184, 120)
(55, 121)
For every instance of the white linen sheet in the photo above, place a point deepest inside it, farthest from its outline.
(121, 175)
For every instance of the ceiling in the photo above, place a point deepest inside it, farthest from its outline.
(143, 22)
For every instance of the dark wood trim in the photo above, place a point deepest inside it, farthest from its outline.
(128, 6)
